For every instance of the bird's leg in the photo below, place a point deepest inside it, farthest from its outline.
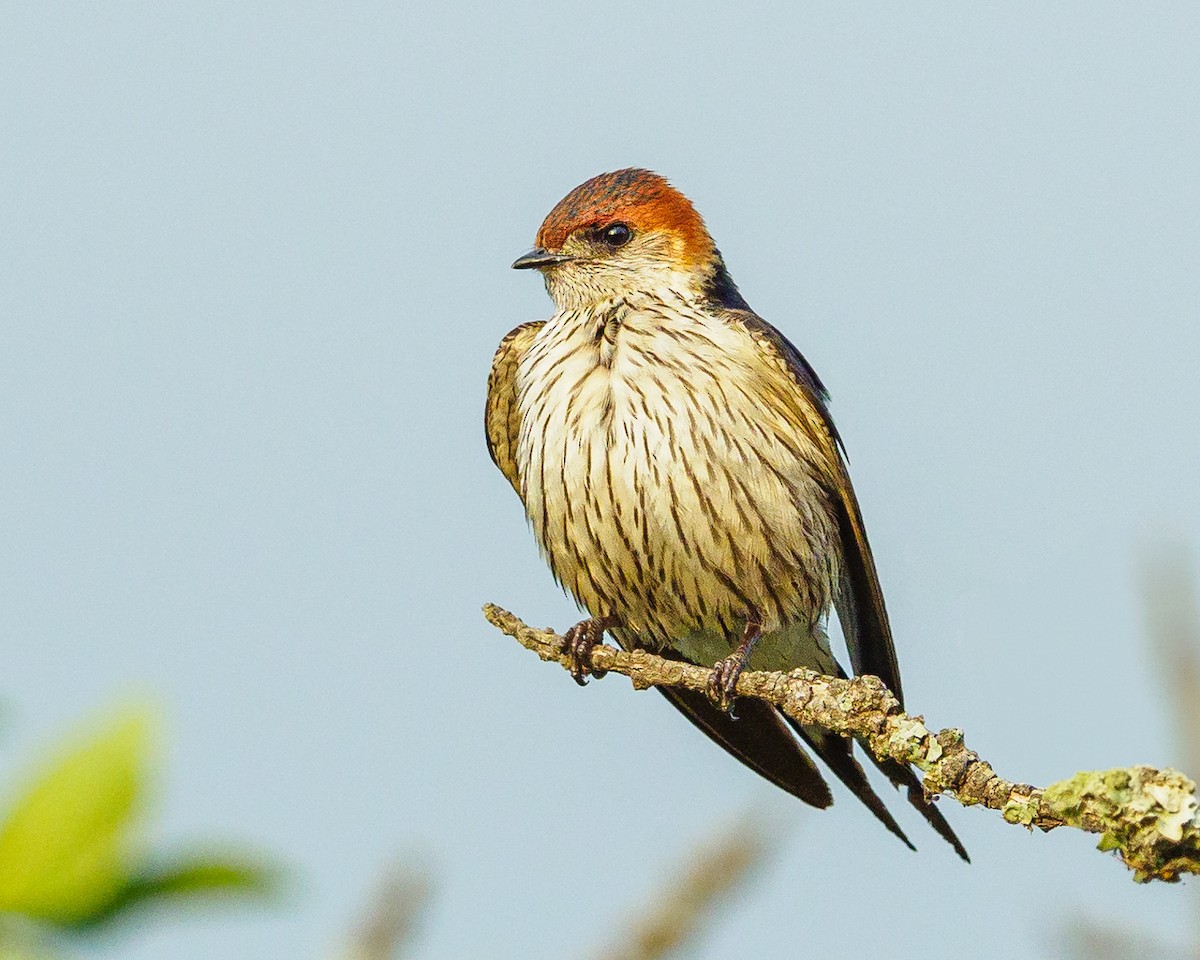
(581, 640)
(723, 682)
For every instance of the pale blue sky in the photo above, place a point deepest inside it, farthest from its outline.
(253, 265)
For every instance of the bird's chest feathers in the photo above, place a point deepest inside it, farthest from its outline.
(625, 383)
(654, 469)
(622, 423)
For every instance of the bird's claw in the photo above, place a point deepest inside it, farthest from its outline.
(722, 685)
(581, 640)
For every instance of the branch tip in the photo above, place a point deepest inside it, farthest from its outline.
(1149, 817)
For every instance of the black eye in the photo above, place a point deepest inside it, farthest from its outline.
(615, 235)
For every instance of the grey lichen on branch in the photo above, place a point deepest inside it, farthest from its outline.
(1150, 817)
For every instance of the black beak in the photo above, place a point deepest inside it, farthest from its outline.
(537, 258)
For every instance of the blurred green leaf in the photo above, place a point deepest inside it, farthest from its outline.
(209, 875)
(63, 847)
(187, 879)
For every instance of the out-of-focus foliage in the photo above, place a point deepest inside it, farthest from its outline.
(72, 859)
(1173, 627)
(15, 945)
(71, 855)
(63, 846)
(677, 914)
(1172, 611)
(204, 874)
(389, 921)
(670, 923)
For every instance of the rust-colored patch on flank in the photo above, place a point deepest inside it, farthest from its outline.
(640, 198)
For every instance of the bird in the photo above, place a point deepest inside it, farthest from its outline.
(684, 480)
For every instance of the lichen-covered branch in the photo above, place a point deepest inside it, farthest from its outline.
(1150, 817)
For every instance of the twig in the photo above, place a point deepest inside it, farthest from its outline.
(1148, 816)
(390, 919)
(677, 914)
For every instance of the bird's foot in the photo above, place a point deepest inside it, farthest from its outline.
(722, 685)
(581, 640)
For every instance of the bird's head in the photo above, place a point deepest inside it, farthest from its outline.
(618, 234)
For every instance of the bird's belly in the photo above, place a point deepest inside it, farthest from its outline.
(675, 511)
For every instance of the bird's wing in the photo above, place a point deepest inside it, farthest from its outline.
(502, 414)
(859, 598)
(759, 739)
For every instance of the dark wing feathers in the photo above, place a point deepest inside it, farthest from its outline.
(759, 739)
(859, 599)
(903, 776)
(835, 751)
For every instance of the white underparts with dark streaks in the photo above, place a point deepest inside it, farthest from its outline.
(674, 483)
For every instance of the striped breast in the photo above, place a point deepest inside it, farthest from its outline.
(669, 474)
